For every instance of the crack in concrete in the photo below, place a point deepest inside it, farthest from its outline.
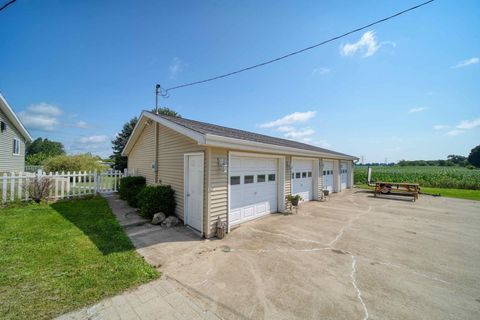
(283, 235)
(354, 283)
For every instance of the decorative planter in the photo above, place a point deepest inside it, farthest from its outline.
(326, 192)
(295, 202)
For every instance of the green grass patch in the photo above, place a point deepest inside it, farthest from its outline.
(444, 192)
(59, 257)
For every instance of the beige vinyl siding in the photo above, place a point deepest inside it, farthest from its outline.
(218, 189)
(140, 157)
(172, 147)
(288, 178)
(8, 161)
(320, 179)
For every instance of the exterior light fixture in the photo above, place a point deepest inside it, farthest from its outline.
(223, 163)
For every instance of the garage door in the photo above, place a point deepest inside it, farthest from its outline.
(328, 175)
(343, 176)
(302, 179)
(253, 188)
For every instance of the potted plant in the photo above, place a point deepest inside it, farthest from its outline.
(294, 199)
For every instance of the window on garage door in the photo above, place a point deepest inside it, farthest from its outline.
(248, 179)
(234, 180)
(261, 178)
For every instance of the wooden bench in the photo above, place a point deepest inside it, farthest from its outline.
(401, 188)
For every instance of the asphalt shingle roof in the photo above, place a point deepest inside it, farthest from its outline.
(208, 128)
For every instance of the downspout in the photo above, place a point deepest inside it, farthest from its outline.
(155, 152)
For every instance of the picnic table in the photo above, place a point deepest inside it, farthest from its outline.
(406, 188)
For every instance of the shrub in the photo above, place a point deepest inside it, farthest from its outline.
(155, 199)
(81, 162)
(39, 188)
(130, 187)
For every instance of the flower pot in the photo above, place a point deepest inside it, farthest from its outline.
(295, 202)
(326, 192)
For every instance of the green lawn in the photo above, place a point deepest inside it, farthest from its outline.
(59, 257)
(444, 192)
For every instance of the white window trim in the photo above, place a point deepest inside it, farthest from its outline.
(18, 145)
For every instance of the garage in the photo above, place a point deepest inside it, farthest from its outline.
(328, 175)
(253, 188)
(302, 179)
(343, 175)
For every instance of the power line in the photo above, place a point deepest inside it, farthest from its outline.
(165, 92)
(7, 4)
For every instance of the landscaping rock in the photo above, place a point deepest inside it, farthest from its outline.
(158, 218)
(170, 222)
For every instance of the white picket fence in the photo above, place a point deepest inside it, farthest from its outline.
(15, 186)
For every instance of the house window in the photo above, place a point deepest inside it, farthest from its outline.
(248, 179)
(261, 178)
(234, 180)
(16, 147)
(271, 177)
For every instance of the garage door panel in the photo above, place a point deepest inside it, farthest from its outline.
(257, 198)
(343, 176)
(328, 175)
(302, 179)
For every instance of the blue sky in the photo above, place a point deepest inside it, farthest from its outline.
(75, 71)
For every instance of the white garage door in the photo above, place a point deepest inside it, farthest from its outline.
(328, 175)
(253, 188)
(343, 176)
(302, 179)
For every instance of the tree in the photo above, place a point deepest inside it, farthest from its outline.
(474, 157)
(47, 147)
(39, 150)
(120, 141)
(458, 160)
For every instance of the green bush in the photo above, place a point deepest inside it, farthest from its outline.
(80, 162)
(129, 189)
(155, 199)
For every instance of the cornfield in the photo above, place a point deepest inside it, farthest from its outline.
(431, 176)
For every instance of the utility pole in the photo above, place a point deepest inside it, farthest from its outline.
(157, 91)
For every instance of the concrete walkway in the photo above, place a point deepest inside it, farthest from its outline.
(160, 299)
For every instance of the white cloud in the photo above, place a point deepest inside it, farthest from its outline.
(321, 71)
(285, 128)
(45, 109)
(296, 117)
(324, 144)
(440, 127)
(367, 45)
(469, 124)
(81, 125)
(175, 67)
(455, 132)
(466, 63)
(299, 133)
(42, 116)
(419, 109)
(93, 140)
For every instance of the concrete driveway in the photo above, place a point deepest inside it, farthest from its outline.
(352, 257)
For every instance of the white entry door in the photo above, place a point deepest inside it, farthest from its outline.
(302, 179)
(194, 191)
(253, 188)
(328, 175)
(343, 176)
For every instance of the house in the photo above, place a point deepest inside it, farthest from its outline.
(231, 174)
(13, 137)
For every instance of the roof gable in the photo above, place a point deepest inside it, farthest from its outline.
(14, 120)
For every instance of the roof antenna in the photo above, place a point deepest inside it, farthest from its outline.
(157, 91)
